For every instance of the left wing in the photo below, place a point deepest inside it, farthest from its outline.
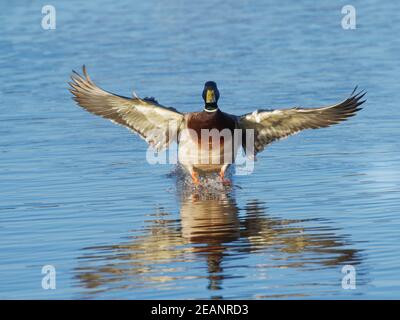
(271, 125)
(155, 123)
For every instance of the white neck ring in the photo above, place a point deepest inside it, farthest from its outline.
(214, 110)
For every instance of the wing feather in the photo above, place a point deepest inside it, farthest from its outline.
(155, 123)
(272, 125)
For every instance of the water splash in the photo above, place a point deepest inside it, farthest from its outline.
(210, 186)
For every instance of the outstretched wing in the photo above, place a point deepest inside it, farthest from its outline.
(271, 125)
(155, 123)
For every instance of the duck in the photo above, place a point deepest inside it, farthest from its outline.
(200, 154)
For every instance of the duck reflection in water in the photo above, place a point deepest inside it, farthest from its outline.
(214, 230)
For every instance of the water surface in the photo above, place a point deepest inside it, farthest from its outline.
(78, 194)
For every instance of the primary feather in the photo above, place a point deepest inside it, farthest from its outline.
(272, 125)
(157, 124)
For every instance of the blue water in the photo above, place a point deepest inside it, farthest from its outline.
(77, 192)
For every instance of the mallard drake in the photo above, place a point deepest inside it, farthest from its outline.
(160, 125)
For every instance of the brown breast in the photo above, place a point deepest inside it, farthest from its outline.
(210, 120)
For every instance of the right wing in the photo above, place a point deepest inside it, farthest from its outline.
(272, 125)
(155, 123)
